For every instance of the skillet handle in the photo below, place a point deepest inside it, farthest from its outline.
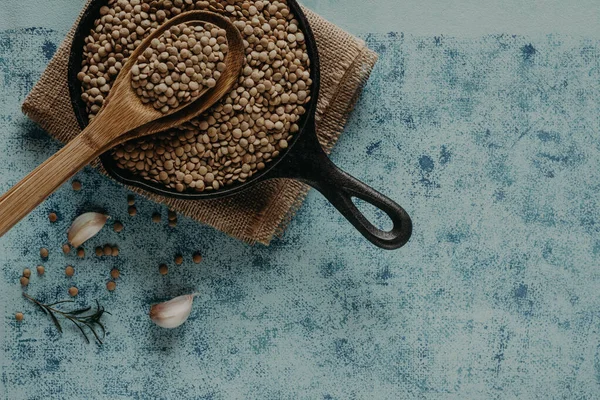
(307, 162)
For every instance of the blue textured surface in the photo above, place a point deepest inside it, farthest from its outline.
(492, 144)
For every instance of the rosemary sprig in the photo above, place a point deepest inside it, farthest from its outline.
(91, 321)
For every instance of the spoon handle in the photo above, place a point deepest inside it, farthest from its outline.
(32, 190)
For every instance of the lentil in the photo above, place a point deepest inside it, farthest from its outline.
(53, 217)
(115, 251)
(111, 286)
(107, 250)
(40, 270)
(66, 248)
(80, 252)
(132, 211)
(118, 227)
(26, 272)
(163, 269)
(197, 258)
(224, 145)
(156, 217)
(115, 273)
(179, 259)
(130, 199)
(69, 271)
(76, 186)
(19, 316)
(44, 253)
(24, 281)
(73, 291)
(99, 251)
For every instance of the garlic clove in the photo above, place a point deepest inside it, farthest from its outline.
(172, 313)
(85, 227)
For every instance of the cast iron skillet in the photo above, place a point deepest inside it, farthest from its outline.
(304, 160)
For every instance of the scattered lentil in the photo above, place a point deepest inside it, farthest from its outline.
(115, 251)
(176, 68)
(172, 215)
(111, 286)
(44, 253)
(107, 250)
(19, 316)
(76, 186)
(69, 270)
(197, 258)
(132, 211)
(80, 252)
(73, 291)
(66, 248)
(99, 251)
(156, 217)
(163, 269)
(53, 217)
(118, 227)
(26, 272)
(24, 281)
(115, 273)
(130, 199)
(173, 223)
(179, 259)
(40, 270)
(245, 130)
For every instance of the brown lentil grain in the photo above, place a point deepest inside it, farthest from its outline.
(40, 270)
(99, 251)
(80, 252)
(76, 186)
(163, 269)
(73, 291)
(114, 251)
(130, 199)
(26, 272)
(179, 259)
(156, 217)
(19, 316)
(66, 248)
(115, 273)
(111, 286)
(53, 217)
(44, 253)
(24, 281)
(107, 251)
(197, 258)
(118, 227)
(69, 271)
(132, 211)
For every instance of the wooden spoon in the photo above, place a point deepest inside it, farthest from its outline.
(123, 117)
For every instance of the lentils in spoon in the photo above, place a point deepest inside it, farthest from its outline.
(179, 65)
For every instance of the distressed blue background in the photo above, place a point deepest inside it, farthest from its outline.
(492, 144)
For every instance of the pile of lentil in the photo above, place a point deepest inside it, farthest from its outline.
(238, 136)
(179, 65)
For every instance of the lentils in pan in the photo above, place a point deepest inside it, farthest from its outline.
(245, 130)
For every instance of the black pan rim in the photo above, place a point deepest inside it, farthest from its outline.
(128, 178)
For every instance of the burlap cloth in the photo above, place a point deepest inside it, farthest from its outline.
(262, 212)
